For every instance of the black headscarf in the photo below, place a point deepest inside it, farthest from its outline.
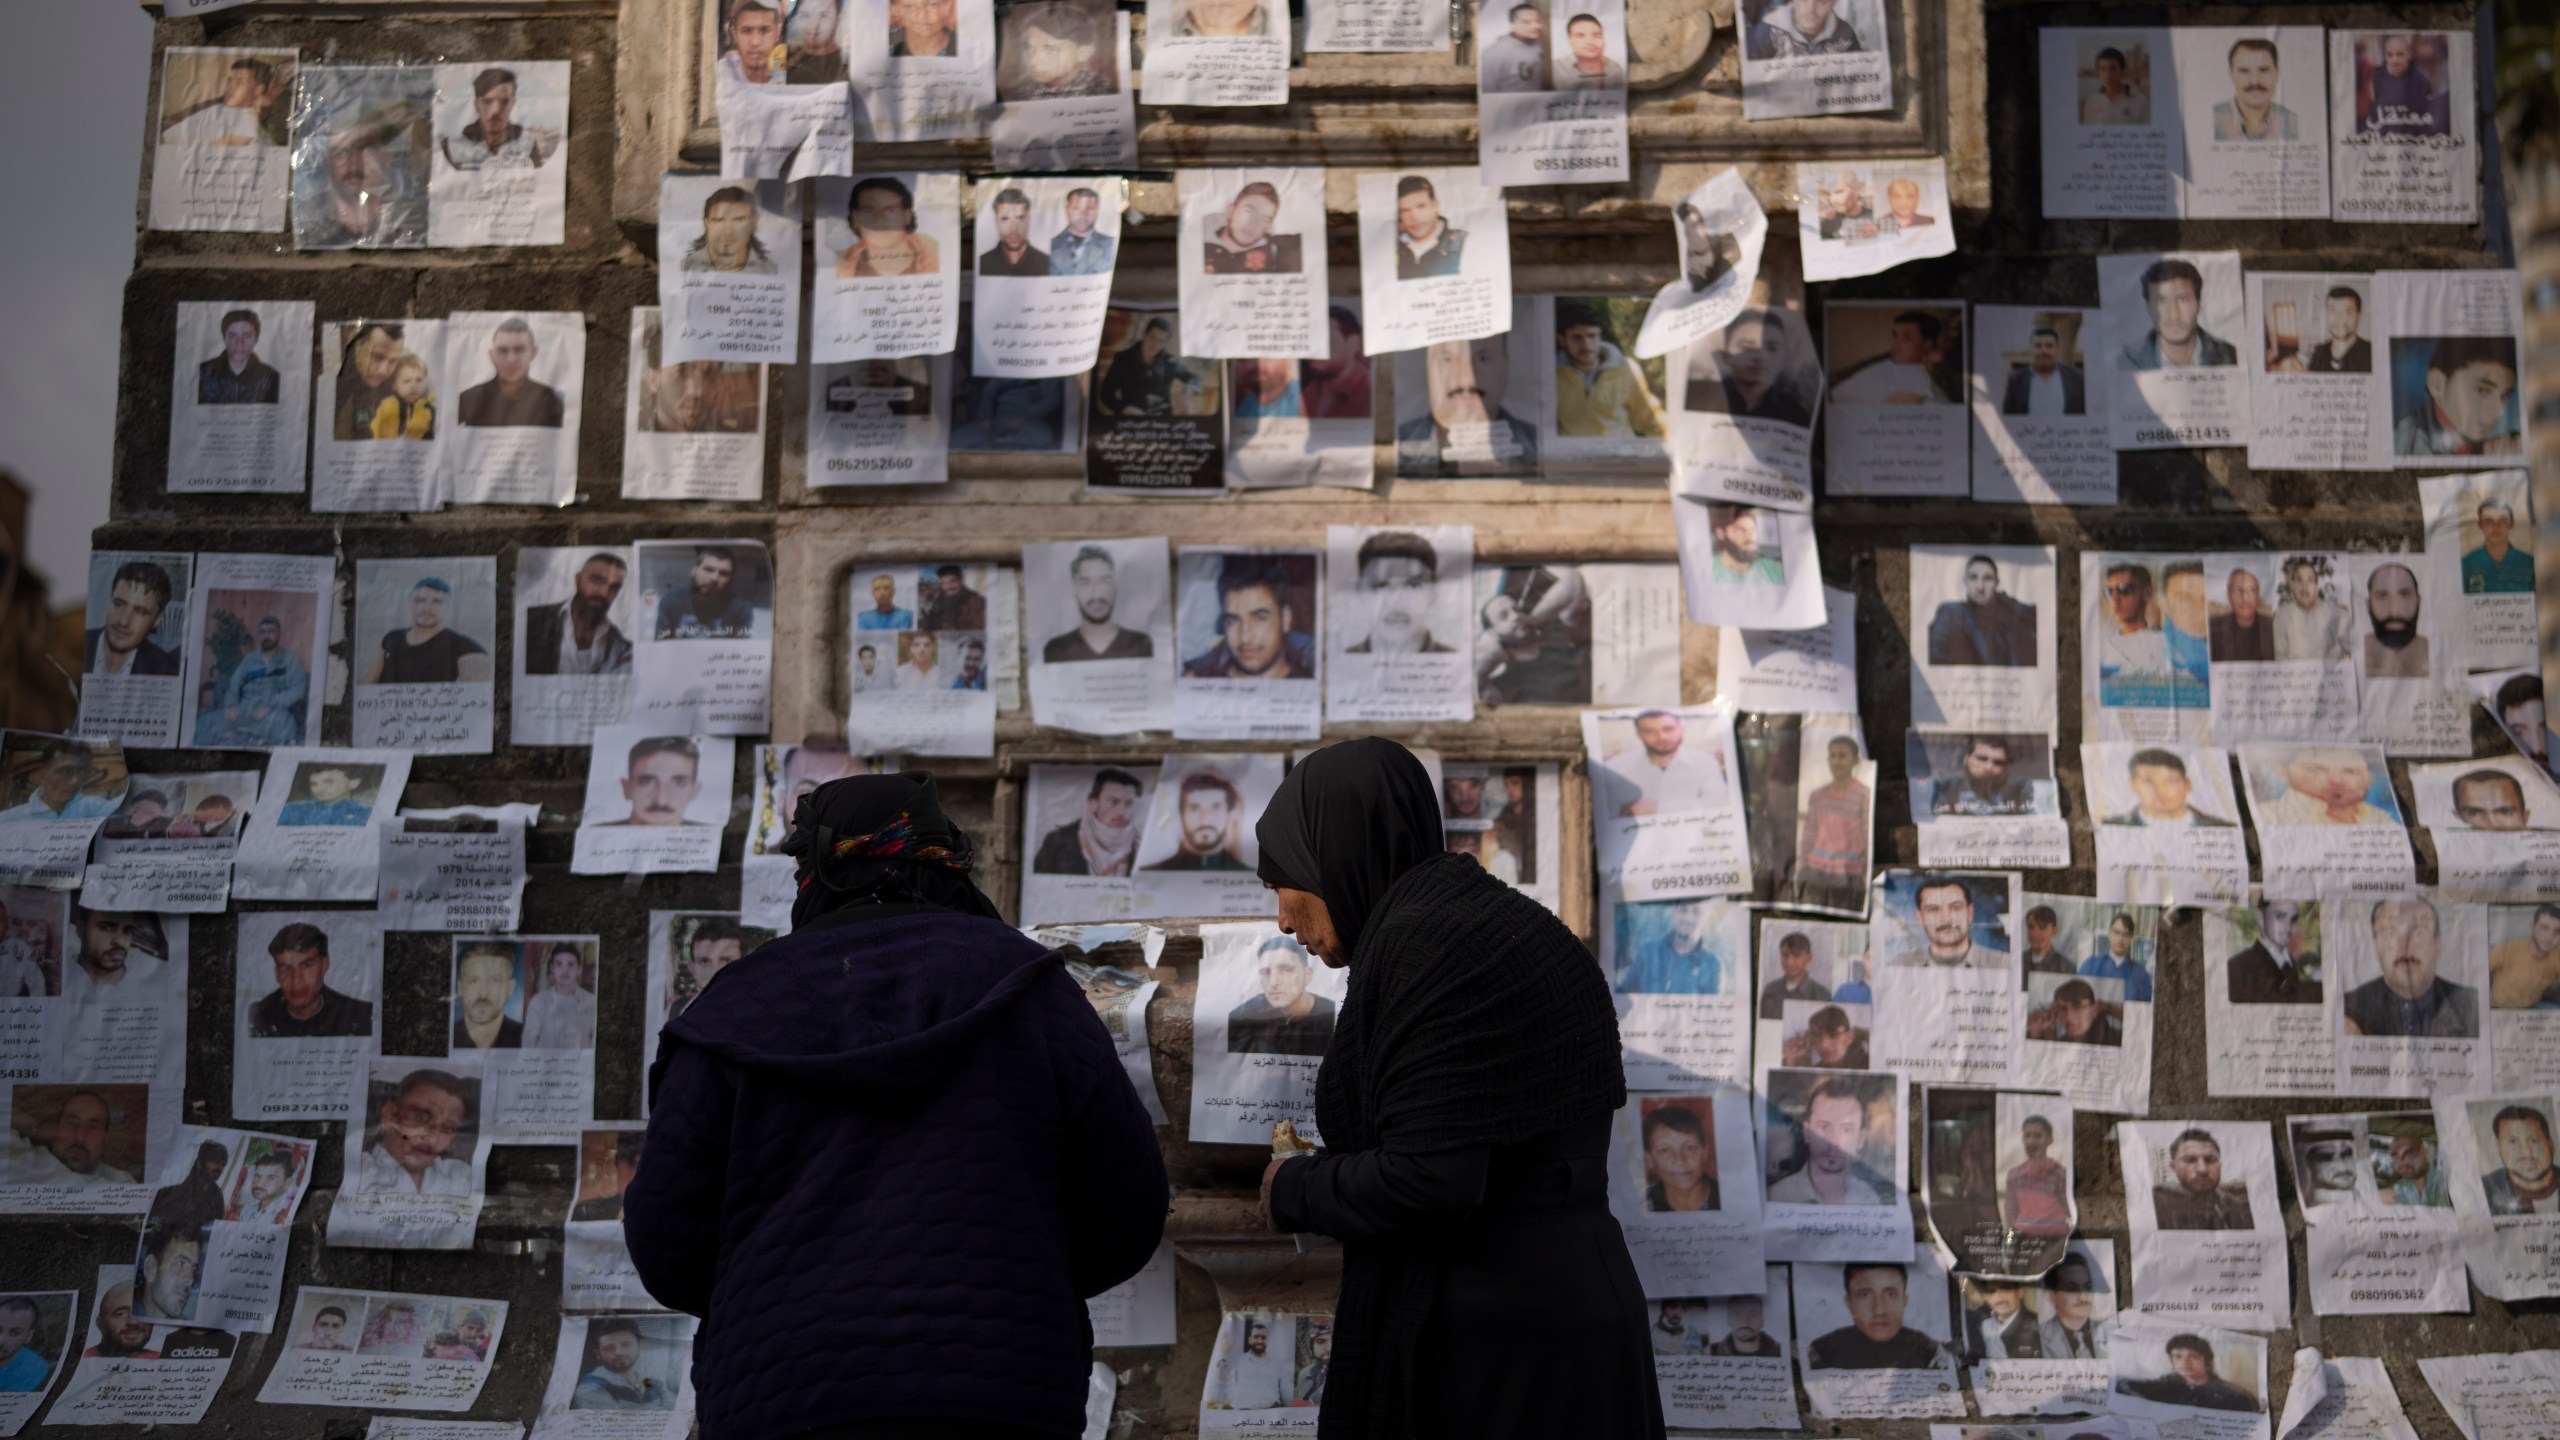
(1347, 824)
(880, 840)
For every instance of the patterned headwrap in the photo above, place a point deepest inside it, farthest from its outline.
(880, 839)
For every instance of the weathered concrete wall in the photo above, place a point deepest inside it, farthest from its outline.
(1966, 88)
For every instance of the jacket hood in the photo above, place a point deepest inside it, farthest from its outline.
(879, 1010)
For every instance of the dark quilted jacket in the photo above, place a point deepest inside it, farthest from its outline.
(886, 1162)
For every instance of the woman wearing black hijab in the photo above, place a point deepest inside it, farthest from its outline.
(891, 1154)
(1465, 1104)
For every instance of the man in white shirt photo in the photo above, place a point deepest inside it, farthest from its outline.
(1661, 777)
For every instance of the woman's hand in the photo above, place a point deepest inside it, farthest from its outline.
(1263, 1208)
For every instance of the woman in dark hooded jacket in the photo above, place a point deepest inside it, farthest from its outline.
(1465, 1104)
(891, 1154)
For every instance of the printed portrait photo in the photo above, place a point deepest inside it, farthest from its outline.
(1434, 220)
(1955, 774)
(1824, 1034)
(577, 611)
(1942, 919)
(2524, 957)
(426, 622)
(1799, 29)
(2455, 395)
(2114, 80)
(2278, 962)
(330, 1321)
(361, 141)
(2146, 632)
(236, 375)
(634, 778)
(700, 946)
(2329, 1154)
(2191, 1371)
(137, 612)
(2403, 1160)
(2316, 326)
(254, 688)
(2180, 315)
(2192, 1190)
(784, 776)
(1107, 605)
(513, 381)
(1982, 621)
(35, 1339)
(2420, 975)
(737, 231)
(1490, 813)
(1395, 600)
(79, 1135)
(2247, 109)
(332, 792)
(1761, 365)
(1283, 1016)
(423, 1123)
(2308, 608)
(2095, 940)
(692, 397)
(1089, 820)
(1467, 407)
(488, 996)
(1206, 821)
(1810, 963)
(2507, 793)
(2171, 786)
(880, 236)
(1265, 1359)
(1142, 373)
(1240, 239)
(2043, 373)
(1676, 1154)
(517, 121)
(2492, 562)
(1337, 387)
(1246, 615)
(385, 390)
(2403, 85)
(1588, 50)
(1602, 390)
(32, 928)
(1057, 50)
(607, 1160)
(1861, 205)
(1044, 229)
(1895, 355)
(2296, 785)
(2242, 594)
(1533, 635)
(708, 591)
(2075, 1009)
(2513, 1138)
(1875, 1316)
(267, 1180)
(303, 1002)
(226, 97)
(1663, 762)
(1829, 1139)
(632, 1363)
(53, 777)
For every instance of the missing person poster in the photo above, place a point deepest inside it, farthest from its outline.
(787, 132)
(1474, 408)
(256, 627)
(1721, 229)
(1681, 973)
(1198, 852)
(133, 1372)
(379, 443)
(362, 136)
(687, 949)
(2282, 646)
(888, 267)
(1746, 568)
(1986, 799)
(2406, 980)
(1114, 964)
(1258, 286)
(424, 635)
(1157, 410)
(239, 396)
(1996, 1186)
(369, 1348)
(1809, 791)
(1794, 672)
(1986, 659)
(2038, 1346)
(306, 1006)
(2145, 650)
(1297, 421)
(995, 415)
(1435, 257)
(2454, 336)
(1044, 274)
(1834, 1164)
(620, 1377)
(1245, 622)
(1398, 618)
(312, 835)
(1815, 1009)
(2405, 658)
(2228, 122)
(934, 632)
(1683, 1188)
(219, 159)
(2084, 1024)
(1063, 88)
(1877, 1338)
(1814, 57)
(1266, 1374)
(519, 377)
(1600, 408)
(58, 792)
(1080, 827)
(1666, 802)
(2493, 823)
(417, 1151)
(1896, 420)
(1742, 420)
(1723, 1361)
(703, 652)
(574, 618)
(2040, 408)
(2168, 824)
(167, 849)
(691, 429)
(1946, 980)
(1264, 1012)
(2267, 1025)
(2218, 1181)
(729, 268)
(213, 1245)
(1577, 635)
(595, 1265)
(525, 1008)
(1551, 99)
(1216, 52)
(879, 422)
(1505, 817)
(2164, 325)
(920, 71)
(2403, 126)
(2312, 382)
(2328, 823)
(2489, 590)
(2496, 1397)
(499, 174)
(2203, 1382)
(657, 801)
(2378, 1213)
(1864, 217)
(96, 1052)
(1107, 665)
(2497, 1159)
